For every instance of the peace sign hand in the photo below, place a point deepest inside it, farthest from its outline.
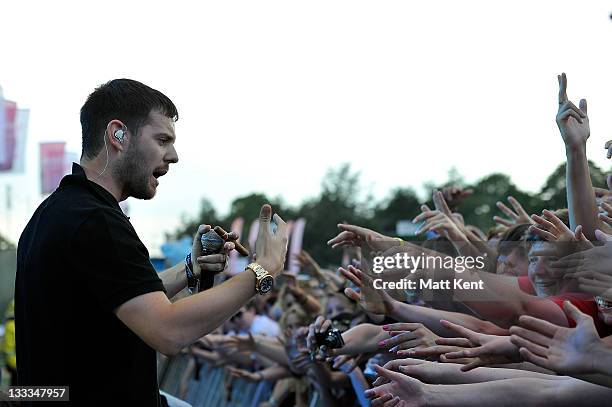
(572, 121)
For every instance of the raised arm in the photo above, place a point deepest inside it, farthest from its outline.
(379, 301)
(204, 267)
(533, 392)
(578, 351)
(168, 327)
(573, 124)
(431, 318)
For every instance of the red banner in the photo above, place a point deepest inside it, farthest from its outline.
(52, 166)
(9, 135)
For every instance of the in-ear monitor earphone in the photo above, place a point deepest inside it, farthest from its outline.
(119, 135)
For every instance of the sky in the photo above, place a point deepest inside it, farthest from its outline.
(273, 93)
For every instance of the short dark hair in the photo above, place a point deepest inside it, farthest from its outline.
(514, 237)
(123, 99)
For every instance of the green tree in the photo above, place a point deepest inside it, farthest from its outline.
(189, 226)
(554, 191)
(479, 208)
(401, 204)
(339, 202)
(248, 207)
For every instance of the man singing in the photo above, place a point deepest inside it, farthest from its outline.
(91, 311)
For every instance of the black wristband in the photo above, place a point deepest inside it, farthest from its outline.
(193, 283)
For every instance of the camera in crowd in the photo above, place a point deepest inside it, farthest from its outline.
(331, 339)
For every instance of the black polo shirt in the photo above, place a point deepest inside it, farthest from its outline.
(78, 259)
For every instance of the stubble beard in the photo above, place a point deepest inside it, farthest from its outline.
(135, 174)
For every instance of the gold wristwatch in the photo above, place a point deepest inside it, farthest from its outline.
(264, 280)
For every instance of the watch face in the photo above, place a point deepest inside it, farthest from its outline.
(266, 284)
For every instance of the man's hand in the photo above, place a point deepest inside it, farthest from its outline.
(236, 343)
(399, 390)
(305, 260)
(454, 195)
(605, 217)
(346, 363)
(516, 216)
(563, 350)
(369, 299)
(572, 121)
(604, 208)
(244, 374)
(440, 223)
(594, 283)
(597, 259)
(608, 147)
(442, 220)
(423, 370)
(406, 337)
(605, 194)
(321, 325)
(352, 235)
(487, 349)
(434, 351)
(552, 229)
(603, 200)
(271, 248)
(214, 263)
(299, 294)
(301, 361)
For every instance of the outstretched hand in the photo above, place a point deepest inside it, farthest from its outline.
(515, 217)
(352, 235)
(271, 248)
(369, 299)
(487, 349)
(552, 229)
(454, 195)
(561, 349)
(573, 122)
(305, 260)
(596, 259)
(439, 222)
(407, 337)
(236, 343)
(605, 216)
(244, 374)
(399, 390)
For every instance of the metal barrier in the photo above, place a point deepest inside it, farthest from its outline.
(211, 389)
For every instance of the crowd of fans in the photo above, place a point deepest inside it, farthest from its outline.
(534, 332)
(530, 325)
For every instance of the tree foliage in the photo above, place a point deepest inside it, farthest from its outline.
(6, 244)
(341, 200)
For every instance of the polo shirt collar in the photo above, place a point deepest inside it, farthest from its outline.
(79, 178)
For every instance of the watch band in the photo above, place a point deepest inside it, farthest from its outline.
(257, 269)
(193, 283)
(260, 275)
